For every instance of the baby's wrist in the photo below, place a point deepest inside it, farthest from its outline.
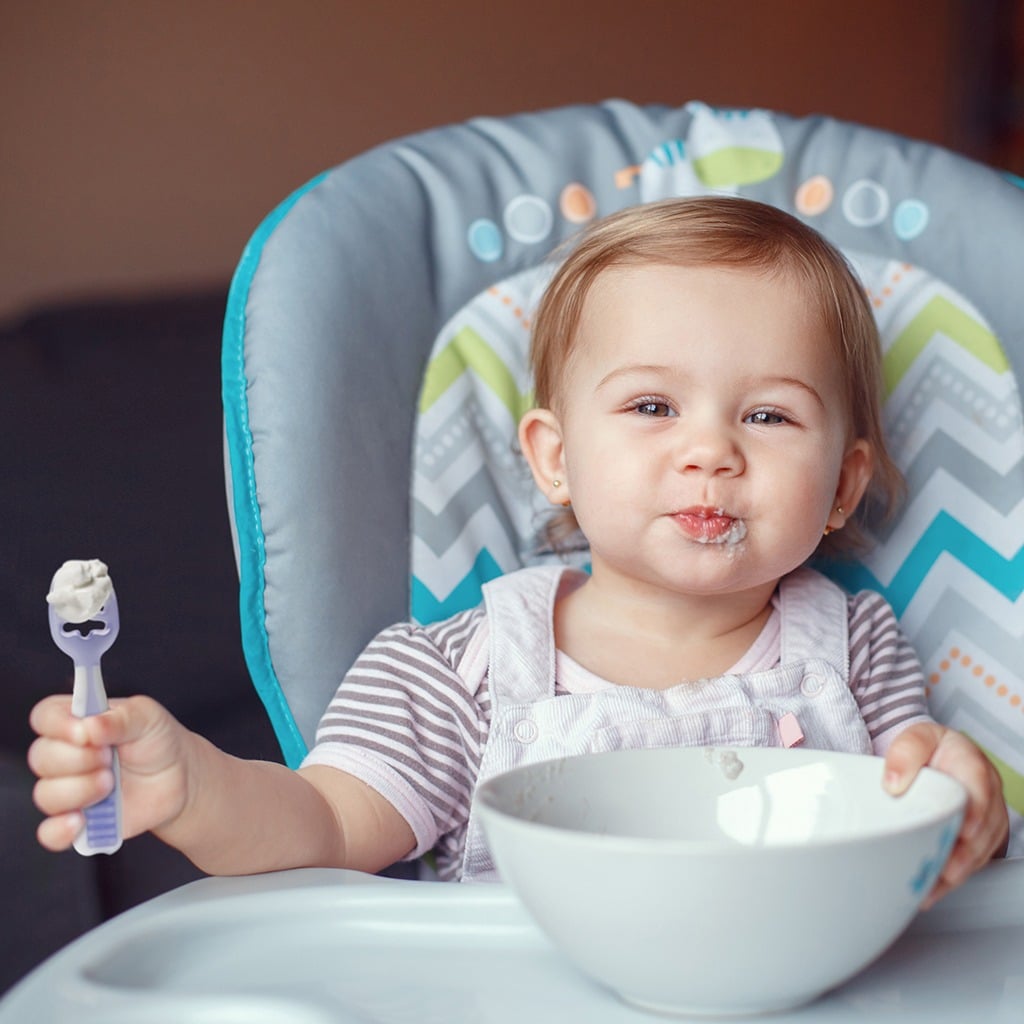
(184, 819)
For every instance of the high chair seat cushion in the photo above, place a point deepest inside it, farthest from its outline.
(377, 335)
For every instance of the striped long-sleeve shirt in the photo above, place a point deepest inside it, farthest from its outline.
(408, 723)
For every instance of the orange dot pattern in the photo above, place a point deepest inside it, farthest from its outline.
(878, 299)
(978, 671)
(510, 302)
(624, 178)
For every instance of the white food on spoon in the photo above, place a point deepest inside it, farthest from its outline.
(79, 589)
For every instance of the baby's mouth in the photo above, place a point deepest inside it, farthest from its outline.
(710, 525)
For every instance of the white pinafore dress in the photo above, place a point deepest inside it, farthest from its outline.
(806, 696)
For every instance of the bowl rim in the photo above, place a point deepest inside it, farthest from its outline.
(723, 846)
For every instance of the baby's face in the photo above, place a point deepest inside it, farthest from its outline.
(704, 433)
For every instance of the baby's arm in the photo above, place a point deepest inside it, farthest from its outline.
(985, 829)
(228, 815)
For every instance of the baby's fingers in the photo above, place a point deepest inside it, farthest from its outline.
(52, 718)
(965, 859)
(50, 758)
(985, 822)
(72, 792)
(127, 720)
(73, 771)
(60, 832)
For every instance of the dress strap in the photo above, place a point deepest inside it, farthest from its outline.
(520, 613)
(815, 621)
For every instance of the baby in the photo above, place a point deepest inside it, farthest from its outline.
(707, 380)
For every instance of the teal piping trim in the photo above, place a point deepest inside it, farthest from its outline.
(248, 522)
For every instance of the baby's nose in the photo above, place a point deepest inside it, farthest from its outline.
(710, 449)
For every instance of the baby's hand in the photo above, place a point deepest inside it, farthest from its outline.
(985, 827)
(72, 759)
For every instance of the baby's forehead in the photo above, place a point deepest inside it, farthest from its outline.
(617, 285)
(786, 275)
(685, 319)
(809, 301)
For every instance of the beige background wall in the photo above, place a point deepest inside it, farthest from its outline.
(141, 141)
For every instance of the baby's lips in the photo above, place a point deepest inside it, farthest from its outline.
(706, 524)
(707, 529)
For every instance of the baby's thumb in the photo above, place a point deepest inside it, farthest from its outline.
(127, 720)
(907, 755)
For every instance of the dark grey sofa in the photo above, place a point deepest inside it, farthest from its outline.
(111, 422)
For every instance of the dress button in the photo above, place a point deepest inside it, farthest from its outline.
(812, 685)
(525, 730)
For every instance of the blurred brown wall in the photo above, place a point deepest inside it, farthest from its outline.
(141, 141)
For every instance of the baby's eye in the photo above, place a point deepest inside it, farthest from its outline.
(653, 407)
(765, 418)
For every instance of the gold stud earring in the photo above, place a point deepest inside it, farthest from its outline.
(832, 529)
(556, 484)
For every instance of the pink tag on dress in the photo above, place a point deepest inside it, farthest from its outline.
(789, 730)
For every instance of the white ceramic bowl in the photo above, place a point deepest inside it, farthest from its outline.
(719, 881)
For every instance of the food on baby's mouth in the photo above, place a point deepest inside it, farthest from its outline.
(79, 589)
(712, 526)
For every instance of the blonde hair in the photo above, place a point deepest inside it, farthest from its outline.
(741, 234)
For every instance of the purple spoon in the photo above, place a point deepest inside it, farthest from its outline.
(85, 643)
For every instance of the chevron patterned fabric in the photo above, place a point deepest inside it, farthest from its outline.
(952, 564)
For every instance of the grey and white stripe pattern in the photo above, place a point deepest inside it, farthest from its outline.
(885, 673)
(403, 710)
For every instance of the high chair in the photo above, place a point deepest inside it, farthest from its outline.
(375, 370)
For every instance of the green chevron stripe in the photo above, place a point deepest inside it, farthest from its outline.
(939, 314)
(468, 351)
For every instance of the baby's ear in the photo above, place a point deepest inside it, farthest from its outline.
(854, 476)
(540, 438)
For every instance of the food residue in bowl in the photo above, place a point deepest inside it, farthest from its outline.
(727, 760)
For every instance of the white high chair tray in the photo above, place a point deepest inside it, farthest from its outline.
(315, 946)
